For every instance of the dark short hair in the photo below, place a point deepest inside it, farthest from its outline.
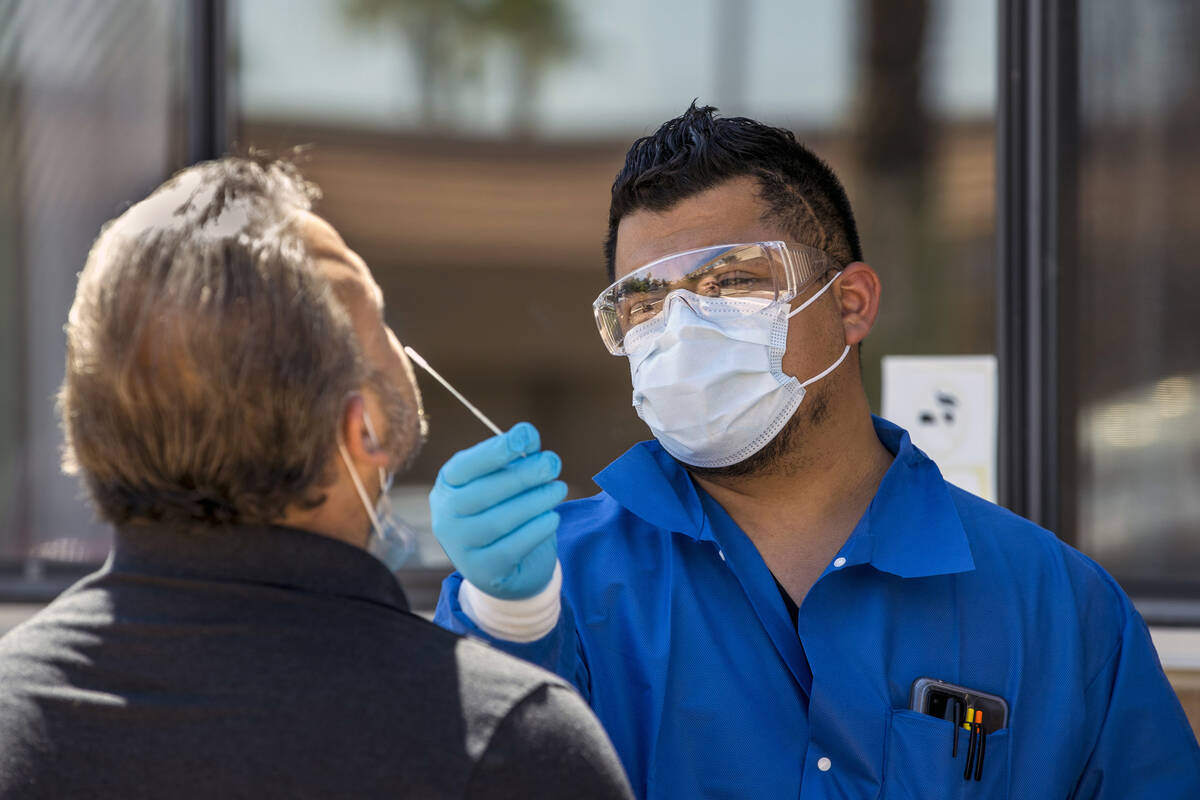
(207, 358)
(699, 150)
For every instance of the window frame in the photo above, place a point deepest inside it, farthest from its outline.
(1037, 215)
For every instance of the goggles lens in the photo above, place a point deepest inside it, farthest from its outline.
(772, 270)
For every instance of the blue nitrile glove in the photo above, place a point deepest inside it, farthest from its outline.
(492, 512)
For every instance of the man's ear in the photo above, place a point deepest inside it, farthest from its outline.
(360, 446)
(858, 293)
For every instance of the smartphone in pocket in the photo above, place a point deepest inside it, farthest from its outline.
(936, 698)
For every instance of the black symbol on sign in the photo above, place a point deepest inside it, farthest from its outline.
(947, 405)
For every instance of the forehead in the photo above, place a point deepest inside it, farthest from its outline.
(344, 268)
(729, 213)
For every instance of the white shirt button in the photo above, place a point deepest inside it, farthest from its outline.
(839, 562)
(721, 553)
(824, 764)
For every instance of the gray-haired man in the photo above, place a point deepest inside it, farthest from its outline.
(236, 405)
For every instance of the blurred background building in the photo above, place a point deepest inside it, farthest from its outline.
(1025, 176)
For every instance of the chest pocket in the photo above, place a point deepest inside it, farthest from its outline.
(917, 762)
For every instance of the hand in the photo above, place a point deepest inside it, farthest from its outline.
(492, 513)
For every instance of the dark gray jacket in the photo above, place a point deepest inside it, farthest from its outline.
(269, 662)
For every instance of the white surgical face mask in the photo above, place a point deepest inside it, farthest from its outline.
(708, 377)
(392, 542)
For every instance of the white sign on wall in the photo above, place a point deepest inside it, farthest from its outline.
(948, 405)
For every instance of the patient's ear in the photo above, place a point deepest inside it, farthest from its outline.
(363, 449)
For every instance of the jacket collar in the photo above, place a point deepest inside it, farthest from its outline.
(911, 529)
(263, 555)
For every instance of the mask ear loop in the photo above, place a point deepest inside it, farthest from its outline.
(831, 368)
(362, 492)
(845, 351)
(385, 481)
(813, 299)
(403, 536)
(358, 485)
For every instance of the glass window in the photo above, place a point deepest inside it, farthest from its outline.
(1132, 344)
(89, 120)
(468, 158)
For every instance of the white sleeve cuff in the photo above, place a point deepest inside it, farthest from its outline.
(525, 620)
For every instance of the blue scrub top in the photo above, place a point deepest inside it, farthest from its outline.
(674, 631)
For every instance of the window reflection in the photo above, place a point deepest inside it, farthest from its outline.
(90, 117)
(1133, 353)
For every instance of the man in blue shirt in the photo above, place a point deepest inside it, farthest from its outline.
(748, 601)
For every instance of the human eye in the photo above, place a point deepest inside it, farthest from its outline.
(735, 279)
(742, 276)
(742, 281)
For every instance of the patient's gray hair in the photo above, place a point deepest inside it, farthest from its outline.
(207, 358)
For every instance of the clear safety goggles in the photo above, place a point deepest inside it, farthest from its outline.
(775, 271)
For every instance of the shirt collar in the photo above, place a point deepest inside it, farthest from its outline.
(264, 555)
(911, 528)
(654, 486)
